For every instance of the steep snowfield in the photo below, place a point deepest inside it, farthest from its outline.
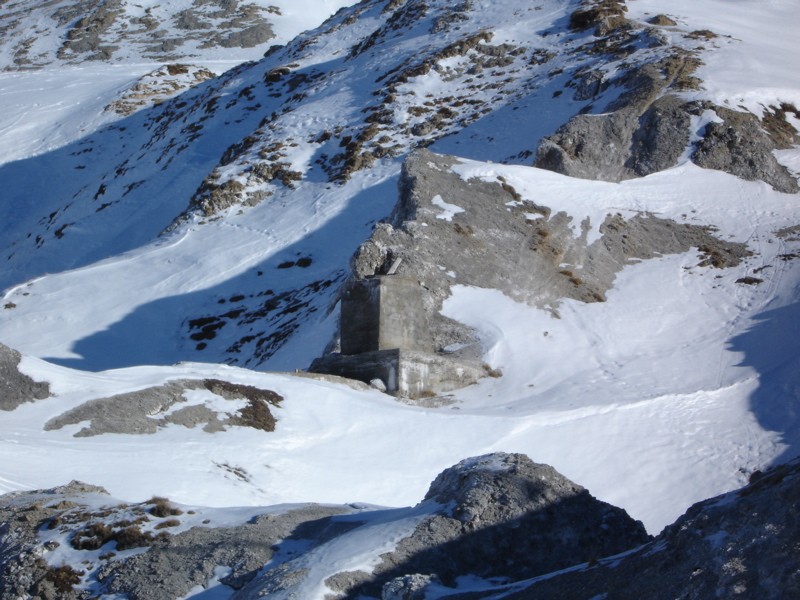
(676, 388)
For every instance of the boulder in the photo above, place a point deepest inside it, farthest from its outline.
(16, 387)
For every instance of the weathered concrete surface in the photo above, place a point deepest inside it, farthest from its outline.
(406, 373)
(383, 313)
(16, 387)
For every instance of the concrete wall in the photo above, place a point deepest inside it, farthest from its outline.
(383, 313)
(360, 320)
(404, 373)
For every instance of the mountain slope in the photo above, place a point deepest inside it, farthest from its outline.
(45, 34)
(605, 220)
(298, 129)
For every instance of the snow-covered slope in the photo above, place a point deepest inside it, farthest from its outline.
(217, 227)
(49, 34)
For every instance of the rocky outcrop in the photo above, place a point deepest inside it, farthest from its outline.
(446, 231)
(16, 387)
(648, 128)
(102, 30)
(158, 85)
(177, 563)
(501, 517)
(23, 571)
(740, 545)
(34, 524)
(504, 516)
(741, 146)
(146, 411)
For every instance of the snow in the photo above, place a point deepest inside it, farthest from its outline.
(214, 590)
(650, 375)
(754, 60)
(35, 120)
(448, 210)
(357, 550)
(671, 391)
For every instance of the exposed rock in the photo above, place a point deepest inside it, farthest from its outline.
(23, 571)
(661, 137)
(171, 564)
(85, 38)
(212, 198)
(647, 130)
(499, 240)
(247, 38)
(191, 558)
(640, 133)
(740, 545)
(740, 146)
(778, 127)
(157, 86)
(505, 516)
(603, 15)
(662, 21)
(408, 587)
(97, 29)
(16, 387)
(499, 516)
(145, 411)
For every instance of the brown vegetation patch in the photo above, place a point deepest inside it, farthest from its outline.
(778, 127)
(63, 578)
(603, 14)
(162, 507)
(168, 523)
(749, 280)
(662, 21)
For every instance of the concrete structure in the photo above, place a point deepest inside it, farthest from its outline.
(384, 335)
(404, 372)
(383, 313)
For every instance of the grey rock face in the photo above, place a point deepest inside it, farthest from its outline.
(16, 387)
(23, 571)
(502, 241)
(97, 29)
(589, 147)
(744, 544)
(647, 129)
(661, 137)
(171, 565)
(505, 516)
(740, 146)
(495, 516)
(145, 411)
(408, 587)
(177, 563)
